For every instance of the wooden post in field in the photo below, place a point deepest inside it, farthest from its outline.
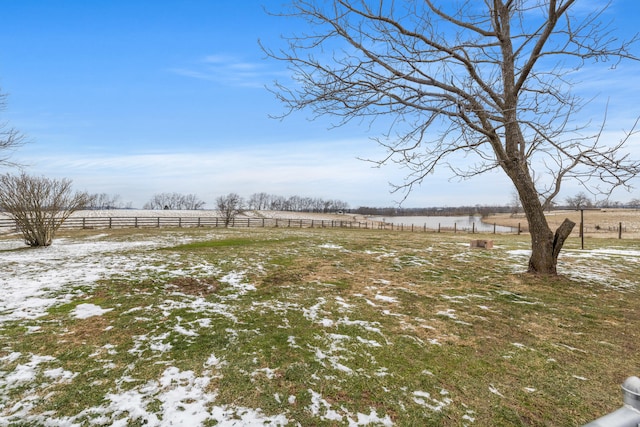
(473, 228)
(620, 231)
(455, 227)
(494, 228)
(582, 228)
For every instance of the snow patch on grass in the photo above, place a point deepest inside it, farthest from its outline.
(84, 311)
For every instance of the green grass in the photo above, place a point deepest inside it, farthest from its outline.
(416, 327)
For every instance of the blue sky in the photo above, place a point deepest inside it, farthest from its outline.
(141, 97)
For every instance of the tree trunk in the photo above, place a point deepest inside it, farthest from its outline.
(546, 246)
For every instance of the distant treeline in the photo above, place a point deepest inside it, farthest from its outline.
(271, 202)
(265, 201)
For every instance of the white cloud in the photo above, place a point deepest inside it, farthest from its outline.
(228, 70)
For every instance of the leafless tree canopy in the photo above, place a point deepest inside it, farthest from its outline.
(106, 201)
(264, 201)
(579, 201)
(39, 205)
(10, 138)
(485, 80)
(174, 201)
(230, 206)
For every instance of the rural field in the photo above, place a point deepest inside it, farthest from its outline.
(312, 327)
(597, 222)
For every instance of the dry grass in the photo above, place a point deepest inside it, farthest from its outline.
(597, 223)
(417, 327)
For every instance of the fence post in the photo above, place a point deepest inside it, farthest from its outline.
(519, 229)
(455, 227)
(136, 222)
(473, 228)
(620, 230)
(110, 222)
(494, 228)
(83, 222)
(158, 222)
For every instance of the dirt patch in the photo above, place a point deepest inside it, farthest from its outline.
(197, 286)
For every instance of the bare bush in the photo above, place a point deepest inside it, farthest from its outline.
(229, 206)
(39, 205)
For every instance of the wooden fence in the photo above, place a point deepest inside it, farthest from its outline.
(9, 225)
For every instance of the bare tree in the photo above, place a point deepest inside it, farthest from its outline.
(174, 201)
(229, 207)
(105, 201)
(192, 202)
(39, 205)
(634, 203)
(483, 79)
(10, 138)
(258, 201)
(579, 201)
(515, 204)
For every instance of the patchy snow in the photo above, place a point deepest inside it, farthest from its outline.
(26, 372)
(84, 311)
(33, 280)
(330, 246)
(385, 298)
(494, 390)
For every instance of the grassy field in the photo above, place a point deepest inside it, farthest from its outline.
(317, 327)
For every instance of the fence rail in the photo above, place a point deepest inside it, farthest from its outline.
(9, 225)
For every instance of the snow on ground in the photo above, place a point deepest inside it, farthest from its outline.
(577, 264)
(32, 280)
(84, 311)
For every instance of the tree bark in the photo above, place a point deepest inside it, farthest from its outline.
(562, 233)
(546, 246)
